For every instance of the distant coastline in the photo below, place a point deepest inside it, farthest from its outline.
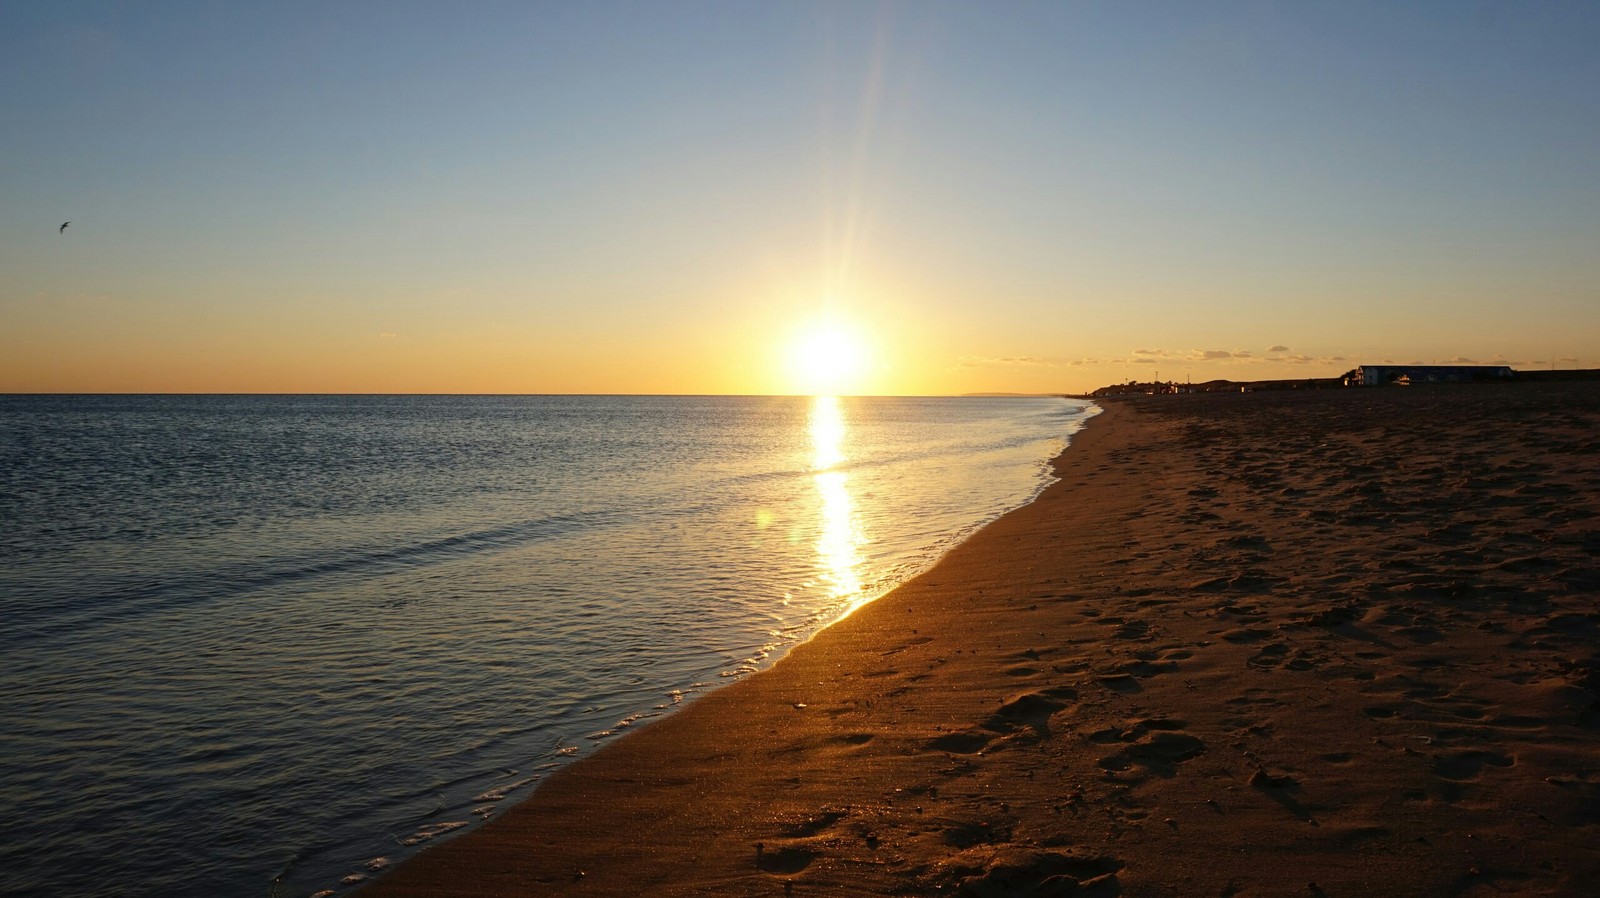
(1147, 388)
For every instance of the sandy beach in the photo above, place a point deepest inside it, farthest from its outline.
(1314, 643)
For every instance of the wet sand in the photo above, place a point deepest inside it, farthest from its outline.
(1304, 643)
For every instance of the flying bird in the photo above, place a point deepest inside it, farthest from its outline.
(63, 228)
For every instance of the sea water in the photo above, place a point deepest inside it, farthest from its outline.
(269, 645)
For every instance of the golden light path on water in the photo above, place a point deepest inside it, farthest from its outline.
(839, 543)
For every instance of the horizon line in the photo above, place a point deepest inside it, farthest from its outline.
(968, 395)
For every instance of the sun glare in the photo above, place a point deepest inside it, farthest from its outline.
(827, 358)
(840, 540)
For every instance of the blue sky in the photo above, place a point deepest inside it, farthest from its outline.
(647, 197)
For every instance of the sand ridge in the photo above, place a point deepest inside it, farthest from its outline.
(1302, 643)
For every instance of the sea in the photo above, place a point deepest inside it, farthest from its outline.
(272, 645)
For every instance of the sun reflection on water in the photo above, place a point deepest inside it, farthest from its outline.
(839, 543)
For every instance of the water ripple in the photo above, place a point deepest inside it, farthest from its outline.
(271, 642)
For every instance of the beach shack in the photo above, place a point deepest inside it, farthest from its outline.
(1410, 375)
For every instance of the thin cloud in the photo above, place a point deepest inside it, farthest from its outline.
(1020, 361)
(1279, 348)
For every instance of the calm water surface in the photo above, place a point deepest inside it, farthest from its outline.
(267, 645)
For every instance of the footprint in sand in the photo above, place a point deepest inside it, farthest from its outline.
(1154, 744)
(1121, 683)
(960, 743)
(1159, 753)
(1123, 677)
(794, 854)
(1519, 722)
(811, 826)
(1271, 655)
(1422, 635)
(1022, 871)
(1136, 630)
(1467, 765)
(785, 860)
(1145, 669)
(966, 834)
(1032, 710)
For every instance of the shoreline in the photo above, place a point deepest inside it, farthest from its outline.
(1195, 663)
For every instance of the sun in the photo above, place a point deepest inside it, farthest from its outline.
(828, 357)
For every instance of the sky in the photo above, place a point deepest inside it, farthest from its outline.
(777, 197)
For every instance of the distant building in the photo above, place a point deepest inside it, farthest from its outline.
(1408, 375)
